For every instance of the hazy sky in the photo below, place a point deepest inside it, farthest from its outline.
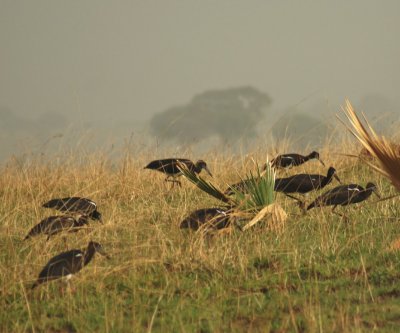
(126, 60)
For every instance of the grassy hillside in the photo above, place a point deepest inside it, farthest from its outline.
(322, 273)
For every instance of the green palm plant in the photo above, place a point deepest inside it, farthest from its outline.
(250, 205)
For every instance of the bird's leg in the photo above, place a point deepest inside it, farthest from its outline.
(173, 181)
(61, 289)
(301, 203)
(339, 214)
(176, 181)
(71, 289)
(237, 225)
(303, 207)
(333, 211)
(169, 180)
(293, 197)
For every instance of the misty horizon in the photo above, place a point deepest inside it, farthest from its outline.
(108, 70)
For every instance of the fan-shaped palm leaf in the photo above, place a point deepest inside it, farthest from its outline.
(379, 147)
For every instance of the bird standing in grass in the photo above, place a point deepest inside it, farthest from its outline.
(68, 263)
(291, 160)
(344, 195)
(170, 166)
(304, 183)
(75, 205)
(301, 183)
(213, 218)
(55, 224)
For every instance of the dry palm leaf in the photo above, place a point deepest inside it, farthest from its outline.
(377, 146)
(274, 215)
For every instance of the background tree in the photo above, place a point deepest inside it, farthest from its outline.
(230, 114)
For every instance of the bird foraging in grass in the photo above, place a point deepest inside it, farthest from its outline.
(301, 183)
(68, 263)
(344, 195)
(291, 160)
(212, 218)
(304, 183)
(75, 205)
(55, 224)
(170, 166)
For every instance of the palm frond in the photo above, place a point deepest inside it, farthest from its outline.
(205, 186)
(274, 215)
(378, 146)
(260, 188)
(256, 206)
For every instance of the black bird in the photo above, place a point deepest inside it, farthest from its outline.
(75, 205)
(54, 224)
(304, 183)
(169, 166)
(214, 218)
(68, 263)
(344, 195)
(291, 160)
(301, 183)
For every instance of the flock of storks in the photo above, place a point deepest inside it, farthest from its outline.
(78, 211)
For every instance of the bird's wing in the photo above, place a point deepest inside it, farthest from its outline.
(282, 183)
(82, 205)
(42, 226)
(61, 223)
(61, 264)
(288, 157)
(76, 204)
(337, 189)
(154, 164)
(316, 179)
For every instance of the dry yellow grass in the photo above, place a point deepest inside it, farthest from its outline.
(305, 276)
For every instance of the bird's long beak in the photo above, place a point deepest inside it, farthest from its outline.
(337, 178)
(208, 171)
(103, 253)
(376, 193)
(321, 162)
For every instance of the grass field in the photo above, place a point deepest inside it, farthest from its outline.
(321, 273)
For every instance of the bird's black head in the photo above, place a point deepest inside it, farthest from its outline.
(97, 247)
(373, 188)
(200, 164)
(96, 215)
(315, 155)
(332, 173)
